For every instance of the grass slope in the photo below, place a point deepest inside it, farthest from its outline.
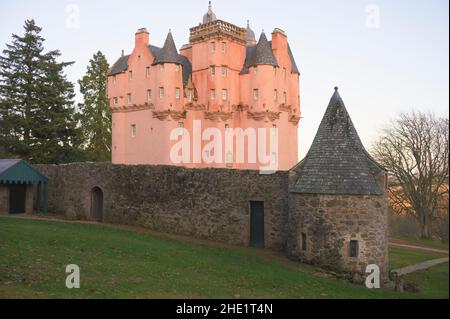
(118, 263)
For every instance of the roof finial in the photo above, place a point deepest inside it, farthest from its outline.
(248, 23)
(122, 52)
(336, 88)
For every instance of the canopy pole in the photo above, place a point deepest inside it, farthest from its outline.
(45, 197)
(38, 197)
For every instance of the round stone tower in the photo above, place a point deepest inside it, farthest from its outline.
(337, 201)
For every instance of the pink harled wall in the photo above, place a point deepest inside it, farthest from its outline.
(142, 123)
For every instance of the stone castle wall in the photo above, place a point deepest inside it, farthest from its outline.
(205, 203)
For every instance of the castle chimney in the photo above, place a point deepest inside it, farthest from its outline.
(279, 43)
(141, 38)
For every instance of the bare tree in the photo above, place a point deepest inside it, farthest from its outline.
(414, 149)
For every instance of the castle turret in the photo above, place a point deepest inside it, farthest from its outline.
(337, 200)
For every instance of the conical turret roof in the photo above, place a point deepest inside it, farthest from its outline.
(337, 162)
(263, 53)
(168, 53)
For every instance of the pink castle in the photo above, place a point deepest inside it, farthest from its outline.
(223, 79)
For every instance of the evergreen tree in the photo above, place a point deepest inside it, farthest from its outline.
(96, 117)
(37, 115)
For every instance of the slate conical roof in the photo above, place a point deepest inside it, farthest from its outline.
(337, 162)
(263, 53)
(249, 35)
(168, 53)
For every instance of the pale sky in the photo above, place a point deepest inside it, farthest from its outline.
(385, 56)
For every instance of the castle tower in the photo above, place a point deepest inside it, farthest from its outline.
(337, 201)
(221, 78)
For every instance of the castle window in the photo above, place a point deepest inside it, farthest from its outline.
(133, 130)
(229, 159)
(353, 248)
(161, 67)
(224, 71)
(213, 94)
(274, 71)
(177, 93)
(224, 47)
(284, 97)
(147, 72)
(224, 94)
(213, 70)
(284, 73)
(303, 241)
(149, 95)
(190, 94)
(129, 98)
(116, 100)
(130, 75)
(274, 131)
(275, 95)
(161, 92)
(255, 94)
(213, 47)
(180, 124)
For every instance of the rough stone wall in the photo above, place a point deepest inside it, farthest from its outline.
(4, 199)
(330, 222)
(205, 203)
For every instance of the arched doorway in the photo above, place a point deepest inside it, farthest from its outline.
(97, 204)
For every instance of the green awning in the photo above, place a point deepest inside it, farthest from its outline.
(16, 171)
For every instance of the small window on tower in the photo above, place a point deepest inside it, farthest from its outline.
(133, 130)
(284, 73)
(213, 94)
(303, 241)
(284, 97)
(116, 100)
(213, 70)
(353, 248)
(224, 71)
(130, 74)
(180, 124)
(274, 71)
(149, 95)
(161, 92)
(177, 93)
(224, 47)
(275, 95)
(255, 94)
(129, 98)
(213, 47)
(190, 94)
(147, 72)
(224, 94)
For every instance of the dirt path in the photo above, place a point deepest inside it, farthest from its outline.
(405, 244)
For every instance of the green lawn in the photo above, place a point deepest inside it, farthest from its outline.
(118, 263)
